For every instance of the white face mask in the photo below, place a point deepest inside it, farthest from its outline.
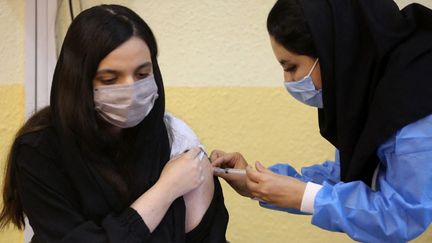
(304, 90)
(126, 105)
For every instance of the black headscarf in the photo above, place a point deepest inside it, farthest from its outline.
(375, 64)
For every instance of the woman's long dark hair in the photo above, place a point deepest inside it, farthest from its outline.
(12, 211)
(287, 24)
(92, 35)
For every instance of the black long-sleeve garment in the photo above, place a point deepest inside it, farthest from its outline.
(58, 213)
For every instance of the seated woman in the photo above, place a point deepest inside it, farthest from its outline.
(105, 162)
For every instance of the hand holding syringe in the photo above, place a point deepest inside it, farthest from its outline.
(221, 170)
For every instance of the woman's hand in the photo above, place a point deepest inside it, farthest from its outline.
(279, 190)
(182, 174)
(231, 160)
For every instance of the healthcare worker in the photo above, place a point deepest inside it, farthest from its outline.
(366, 66)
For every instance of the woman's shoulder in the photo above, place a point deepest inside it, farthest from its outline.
(182, 137)
(43, 142)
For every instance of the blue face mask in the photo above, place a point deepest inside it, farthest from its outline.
(304, 90)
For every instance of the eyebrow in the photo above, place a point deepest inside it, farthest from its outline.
(144, 65)
(285, 62)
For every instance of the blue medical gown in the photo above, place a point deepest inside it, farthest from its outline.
(400, 208)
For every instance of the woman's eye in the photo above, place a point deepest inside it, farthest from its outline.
(108, 81)
(142, 75)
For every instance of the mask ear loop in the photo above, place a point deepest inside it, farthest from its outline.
(313, 67)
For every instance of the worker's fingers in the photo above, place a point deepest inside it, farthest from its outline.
(226, 161)
(253, 175)
(261, 168)
(216, 154)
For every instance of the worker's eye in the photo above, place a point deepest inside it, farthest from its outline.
(290, 69)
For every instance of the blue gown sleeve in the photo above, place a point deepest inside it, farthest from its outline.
(328, 171)
(401, 207)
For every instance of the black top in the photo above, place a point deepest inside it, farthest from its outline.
(375, 65)
(61, 211)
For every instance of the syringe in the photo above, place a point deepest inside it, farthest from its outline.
(229, 171)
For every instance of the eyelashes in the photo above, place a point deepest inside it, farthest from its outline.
(113, 80)
(291, 69)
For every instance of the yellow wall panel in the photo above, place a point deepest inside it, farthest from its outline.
(12, 27)
(11, 117)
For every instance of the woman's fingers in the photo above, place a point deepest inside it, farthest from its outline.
(193, 152)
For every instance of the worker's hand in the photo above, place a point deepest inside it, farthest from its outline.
(183, 173)
(231, 160)
(222, 159)
(279, 190)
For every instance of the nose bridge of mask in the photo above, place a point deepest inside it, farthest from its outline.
(125, 93)
(116, 98)
(126, 105)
